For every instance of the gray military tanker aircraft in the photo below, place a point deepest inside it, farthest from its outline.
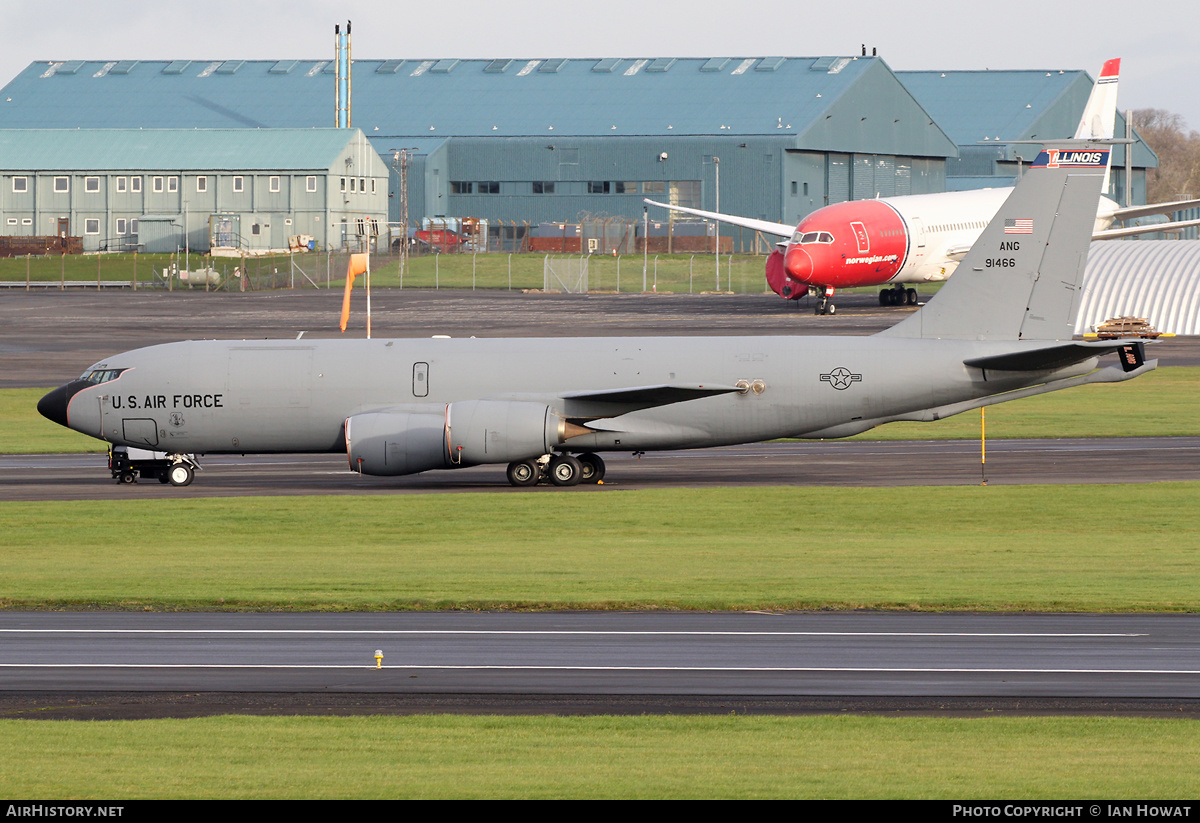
(999, 330)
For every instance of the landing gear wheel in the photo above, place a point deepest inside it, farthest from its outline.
(885, 297)
(180, 474)
(127, 477)
(911, 294)
(565, 470)
(593, 468)
(830, 309)
(524, 473)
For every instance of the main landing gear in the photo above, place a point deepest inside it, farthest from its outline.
(897, 296)
(558, 469)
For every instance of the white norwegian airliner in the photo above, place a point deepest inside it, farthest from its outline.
(918, 238)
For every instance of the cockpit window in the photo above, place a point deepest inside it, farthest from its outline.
(98, 376)
(812, 237)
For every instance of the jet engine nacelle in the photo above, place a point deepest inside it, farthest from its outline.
(467, 433)
(397, 442)
(500, 431)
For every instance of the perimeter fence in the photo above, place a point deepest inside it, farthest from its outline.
(611, 273)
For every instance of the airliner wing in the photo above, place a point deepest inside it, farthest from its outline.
(1110, 234)
(765, 226)
(1154, 208)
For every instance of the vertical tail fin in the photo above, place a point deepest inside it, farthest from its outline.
(1100, 114)
(1021, 280)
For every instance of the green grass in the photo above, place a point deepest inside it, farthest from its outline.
(602, 757)
(1164, 402)
(1042, 548)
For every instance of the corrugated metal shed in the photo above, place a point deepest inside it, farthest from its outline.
(169, 149)
(1155, 279)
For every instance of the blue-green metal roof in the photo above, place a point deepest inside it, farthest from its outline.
(434, 98)
(978, 107)
(171, 149)
(973, 106)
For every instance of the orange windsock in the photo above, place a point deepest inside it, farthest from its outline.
(358, 265)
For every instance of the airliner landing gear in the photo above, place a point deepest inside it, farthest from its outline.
(897, 296)
(825, 303)
(524, 473)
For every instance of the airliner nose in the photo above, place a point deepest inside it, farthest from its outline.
(54, 405)
(798, 264)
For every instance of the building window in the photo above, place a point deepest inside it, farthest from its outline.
(133, 227)
(353, 184)
(461, 187)
(135, 184)
(654, 187)
(62, 184)
(274, 183)
(201, 184)
(310, 183)
(91, 184)
(26, 221)
(239, 183)
(12, 221)
(122, 224)
(256, 230)
(91, 225)
(362, 184)
(488, 187)
(172, 184)
(158, 184)
(372, 185)
(20, 184)
(598, 187)
(343, 188)
(543, 187)
(122, 184)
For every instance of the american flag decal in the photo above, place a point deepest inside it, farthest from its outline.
(1018, 226)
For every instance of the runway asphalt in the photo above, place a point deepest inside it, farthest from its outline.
(804, 463)
(1124, 663)
(518, 662)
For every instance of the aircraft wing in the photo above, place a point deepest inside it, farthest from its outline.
(957, 252)
(1154, 208)
(765, 226)
(615, 402)
(1109, 234)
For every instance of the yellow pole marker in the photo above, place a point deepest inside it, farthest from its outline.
(983, 445)
(379, 658)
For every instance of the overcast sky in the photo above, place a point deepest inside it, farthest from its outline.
(1158, 41)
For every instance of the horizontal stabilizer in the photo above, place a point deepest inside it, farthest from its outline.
(1045, 359)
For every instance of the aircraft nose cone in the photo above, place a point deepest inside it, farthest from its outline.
(54, 405)
(799, 265)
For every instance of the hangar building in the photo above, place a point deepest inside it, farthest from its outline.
(536, 140)
(978, 108)
(161, 189)
(789, 134)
